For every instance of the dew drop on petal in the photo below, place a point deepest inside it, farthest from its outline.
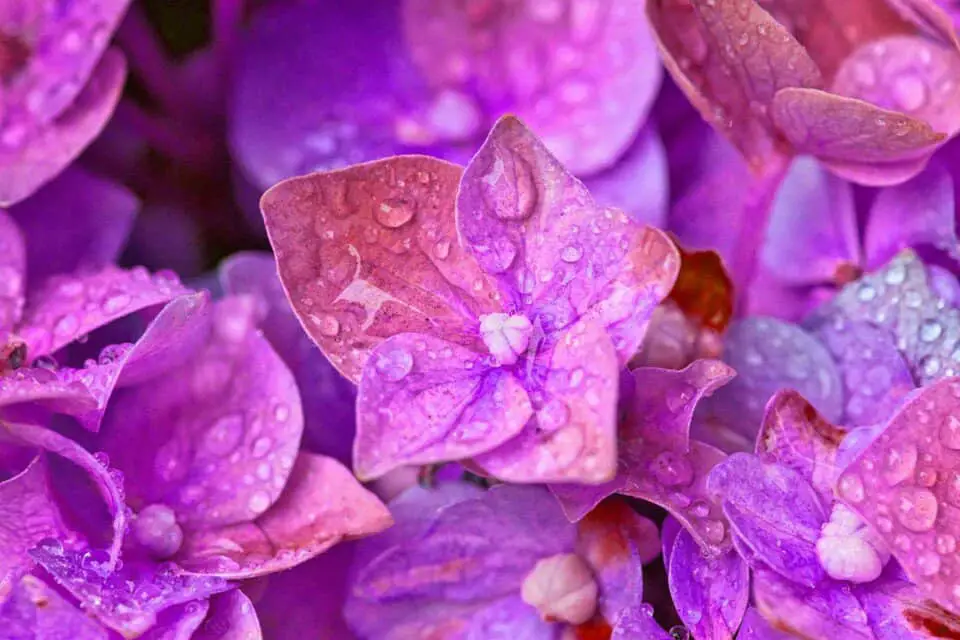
(554, 415)
(394, 364)
(916, 509)
(394, 213)
(671, 469)
(950, 432)
(326, 324)
(851, 488)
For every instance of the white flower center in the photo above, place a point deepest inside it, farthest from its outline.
(506, 336)
(562, 589)
(849, 550)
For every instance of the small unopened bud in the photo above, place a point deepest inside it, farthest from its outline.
(562, 589)
(507, 337)
(849, 550)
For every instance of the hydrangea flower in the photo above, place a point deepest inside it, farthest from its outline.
(59, 84)
(461, 562)
(503, 341)
(418, 76)
(871, 99)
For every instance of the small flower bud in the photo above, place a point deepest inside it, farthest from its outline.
(848, 549)
(562, 589)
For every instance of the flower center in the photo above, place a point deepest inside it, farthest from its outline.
(562, 589)
(848, 549)
(507, 337)
(157, 530)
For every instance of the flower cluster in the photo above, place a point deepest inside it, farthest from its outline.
(479, 319)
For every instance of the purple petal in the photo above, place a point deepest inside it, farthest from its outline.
(424, 400)
(48, 389)
(616, 541)
(371, 251)
(592, 262)
(856, 140)
(710, 593)
(31, 158)
(905, 73)
(328, 398)
(33, 610)
(129, 599)
(638, 182)
(77, 221)
(794, 435)
(178, 621)
(906, 484)
(769, 355)
(584, 81)
(321, 504)
(875, 375)
(503, 619)
(754, 627)
(898, 298)
(774, 511)
(637, 622)
(231, 617)
(29, 512)
(812, 229)
(572, 436)
(731, 58)
(917, 213)
(107, 484)
(70, 307)
(215, 436)
(13, 265)
(473, 551)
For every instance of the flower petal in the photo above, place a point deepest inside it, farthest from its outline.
(13, 264)
(918, 213)
(77, 221)
(794, 435)
(769, 355)
(572, 436)
(30, 159)
(906, 484)
(108, 595)
(231, 616)
(898, 298)
(856, 140)
(178, 621)
(710, 593)
(812, 230)
(214, 437)
(554, 253)
(582, 75)
(774, 511)
(328, 398)
(875, 375)
(69, 307)
(321, 504)
(637, 622)
(424, 400)
(371, 251)
(35, 610)
(731, 57)
(754, 627)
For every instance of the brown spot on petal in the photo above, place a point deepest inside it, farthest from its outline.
(14, 54)
(596, 629)
(845, 273)
(602, 527)
(704, 290)
(933, 621)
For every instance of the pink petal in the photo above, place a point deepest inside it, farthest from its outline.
(857, 140)
(424, 400)
(812, 230)
(917, 213)
(906, 484)
(69, 307)
(13, 265)
(583, 75)
(32, 158)
(109, 485)
(572, 436)
(794, 435)
(321, 505)
(554, 253)
(731, 57)
(371, 251)
(213, 437)
(908, 74)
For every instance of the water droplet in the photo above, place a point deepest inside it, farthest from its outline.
(899, 463)
(576, 377)
(885, 524)
(441, 249)
(930, 330)
(224, 436)
(930, 365)
(394, 364)
(394, 213)
(261, 446)
(168, 463)
(525, 281)
(895, 275)
(259, 502)
(851, 488)
(671, 469)
(571, 253)
(66, 326)
(51, 546)
(916, 509)
(910, 92)
(116, 303)
(326, 324)
(946, 543)
(700, 509)
(928, 563)
(866, 292)
(102, 458)
(554, 415)
(714, 531)
(950, 432)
